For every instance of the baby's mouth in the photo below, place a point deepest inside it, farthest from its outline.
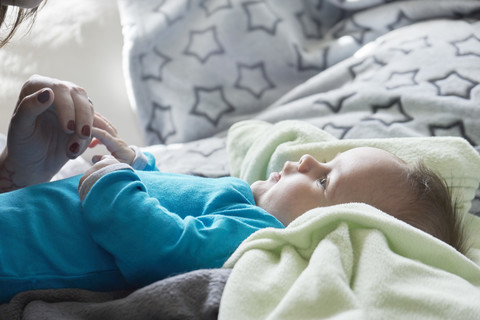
(276, 176)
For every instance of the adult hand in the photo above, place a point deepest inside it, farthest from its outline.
(51, 124)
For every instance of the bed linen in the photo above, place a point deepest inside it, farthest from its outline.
(374, 69)
(357, 69)
(257, 148)
(196, 67)
(351, 261)
(194, 295)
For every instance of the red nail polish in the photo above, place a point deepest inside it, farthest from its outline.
(86, 131)
(74, 148)
(44, 96)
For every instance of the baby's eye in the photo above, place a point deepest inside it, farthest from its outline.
(323, 182)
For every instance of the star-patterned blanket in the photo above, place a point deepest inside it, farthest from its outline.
(197, 66)
(357, 69)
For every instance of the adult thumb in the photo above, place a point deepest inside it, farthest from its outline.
(32, 106)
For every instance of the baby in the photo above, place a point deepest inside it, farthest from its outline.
(411, 193)
(130, 228)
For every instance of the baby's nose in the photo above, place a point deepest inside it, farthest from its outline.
(306, 163)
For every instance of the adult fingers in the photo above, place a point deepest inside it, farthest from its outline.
(76, 145)
(29, 108)
(84, 113)
(74, 111)
(64, 105)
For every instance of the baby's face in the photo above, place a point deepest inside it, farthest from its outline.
(356, 175)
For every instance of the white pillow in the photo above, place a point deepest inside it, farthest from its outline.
(196, 67)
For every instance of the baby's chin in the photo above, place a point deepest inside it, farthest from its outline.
(266, 184)
(258, 187)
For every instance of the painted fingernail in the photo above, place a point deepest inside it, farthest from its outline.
(74, 148)
(71, 125)
(86, 131)
(44, 96)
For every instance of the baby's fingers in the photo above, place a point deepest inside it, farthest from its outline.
(96, 158)
(116, 146)
(112, 143)
(102, 162)
(101, 122)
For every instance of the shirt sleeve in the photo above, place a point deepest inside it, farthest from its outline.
(150, 243)
(143, 161)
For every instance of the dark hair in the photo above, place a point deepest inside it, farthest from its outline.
(431, 207)
(22, 15)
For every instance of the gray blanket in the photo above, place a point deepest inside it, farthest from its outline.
(194, 295)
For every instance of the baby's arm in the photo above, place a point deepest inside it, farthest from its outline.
(176, 228)
(152, 234)
(122, 155)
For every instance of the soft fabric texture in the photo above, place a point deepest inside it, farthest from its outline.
(193, 295)
(171, 45)
(402, 68)
(158, 224)
(140, 162)
(350, 261)
(133, 228)
(196, 67)
(257, 148)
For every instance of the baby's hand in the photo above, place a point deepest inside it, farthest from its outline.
(105, 133)
(105, 164)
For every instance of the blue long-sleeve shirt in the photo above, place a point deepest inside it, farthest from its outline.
(135, 227)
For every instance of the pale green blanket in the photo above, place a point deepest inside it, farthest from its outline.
(350, 261)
